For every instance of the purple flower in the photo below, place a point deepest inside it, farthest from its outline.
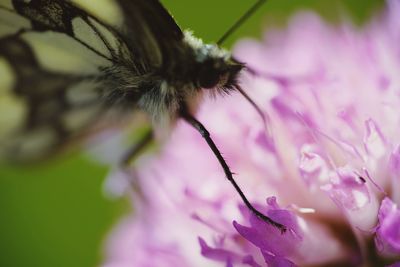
(327, 165)
(388, 230)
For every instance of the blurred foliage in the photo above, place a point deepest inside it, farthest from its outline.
(56, 214)
(210, 19)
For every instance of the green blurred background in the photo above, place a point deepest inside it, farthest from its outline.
(56, 215)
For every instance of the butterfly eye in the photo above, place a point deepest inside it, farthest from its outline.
(208, 78)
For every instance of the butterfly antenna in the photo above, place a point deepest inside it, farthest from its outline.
(238, 23)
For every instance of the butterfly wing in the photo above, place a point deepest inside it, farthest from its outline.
(53, 57)
(149, 24)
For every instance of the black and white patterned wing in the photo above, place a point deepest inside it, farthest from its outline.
(53, 57)
(152, 30)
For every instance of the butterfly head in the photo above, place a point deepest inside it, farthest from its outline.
(214, 67)
(218, 73)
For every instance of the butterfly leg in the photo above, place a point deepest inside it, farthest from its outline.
(206, 135)
(137, 148)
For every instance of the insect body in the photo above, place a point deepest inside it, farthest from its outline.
(67, 68)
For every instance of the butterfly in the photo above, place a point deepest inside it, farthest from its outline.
(64, 68)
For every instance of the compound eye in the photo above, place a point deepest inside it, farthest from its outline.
(208, 78)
